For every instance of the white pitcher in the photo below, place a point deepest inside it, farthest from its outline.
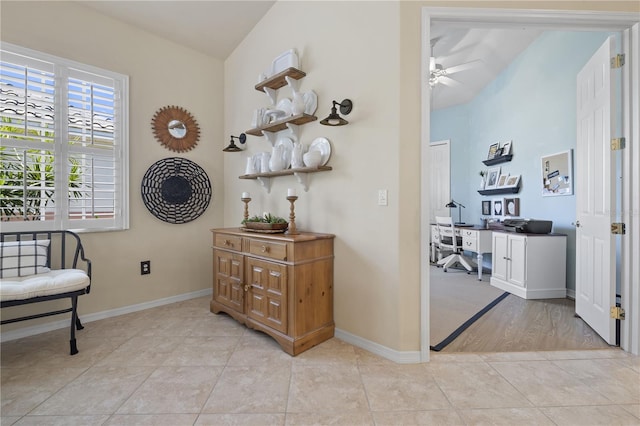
(251, 166)
(298, 103)
(296, 156)
(276, 163)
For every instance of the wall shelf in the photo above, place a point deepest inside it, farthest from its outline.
(301, 174)
(280, 125)
(497, 191)
(498, 160)
(278, 80)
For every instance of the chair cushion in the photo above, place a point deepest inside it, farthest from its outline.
(46, 284)
(22, 258)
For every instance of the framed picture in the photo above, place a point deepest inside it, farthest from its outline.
(511, 206)
(502, 180)
(557, 174)
(493, 174)
(486, 208)
(506, 148)
(493, 149)
(513, 181)
(497, 207)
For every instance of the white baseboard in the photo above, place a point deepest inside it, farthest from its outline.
(571, 294)
(56, 325)
(411, 357)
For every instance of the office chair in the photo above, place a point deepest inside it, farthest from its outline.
(450, 242)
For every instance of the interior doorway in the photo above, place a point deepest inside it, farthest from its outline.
(552, 20)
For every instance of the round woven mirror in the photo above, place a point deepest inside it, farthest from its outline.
(175, 128)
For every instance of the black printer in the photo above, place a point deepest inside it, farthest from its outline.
(528, 226)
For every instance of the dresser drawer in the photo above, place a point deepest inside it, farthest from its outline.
(267, 249)
(468, 233)
(230, 242)
(470, 244)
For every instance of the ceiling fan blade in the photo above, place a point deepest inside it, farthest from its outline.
(448, 81)
(463, 67)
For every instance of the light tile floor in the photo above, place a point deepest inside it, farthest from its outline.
(182, 365)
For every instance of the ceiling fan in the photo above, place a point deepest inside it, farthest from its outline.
(440, 75)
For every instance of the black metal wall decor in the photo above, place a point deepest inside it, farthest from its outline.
(176, 190)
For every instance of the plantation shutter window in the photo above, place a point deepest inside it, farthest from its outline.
(64, 143)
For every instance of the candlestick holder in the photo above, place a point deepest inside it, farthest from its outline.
(246, 207)
(292, 216)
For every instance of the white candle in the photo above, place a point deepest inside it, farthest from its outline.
(291, 192)
(246, 195)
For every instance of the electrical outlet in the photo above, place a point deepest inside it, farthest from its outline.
(145, 267)
(382, 197)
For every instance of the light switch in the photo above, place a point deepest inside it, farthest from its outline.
(382, 197)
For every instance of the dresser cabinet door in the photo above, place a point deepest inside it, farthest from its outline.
(228, 274)
(517, 253)
(499, 256)
(267, 293)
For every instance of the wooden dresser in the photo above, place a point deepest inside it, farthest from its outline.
(279, 284)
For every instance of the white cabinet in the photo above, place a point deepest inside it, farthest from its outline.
(531, 266)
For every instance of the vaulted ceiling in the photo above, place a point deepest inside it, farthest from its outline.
(216, 28)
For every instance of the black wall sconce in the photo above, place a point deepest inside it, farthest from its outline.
(334, 119)
(232, 146)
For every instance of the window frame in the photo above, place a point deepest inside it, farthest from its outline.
(63, 71)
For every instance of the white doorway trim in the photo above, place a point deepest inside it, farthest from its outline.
(628, 24)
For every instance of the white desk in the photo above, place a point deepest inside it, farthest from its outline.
(475, 239)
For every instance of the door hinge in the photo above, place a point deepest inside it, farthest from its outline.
(617, 144)
(618, 228)
(617, 61)
(616, 312)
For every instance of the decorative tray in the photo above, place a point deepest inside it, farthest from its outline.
(264, 231)
(265, 228)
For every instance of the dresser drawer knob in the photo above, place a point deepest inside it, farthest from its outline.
(227, 242)
(265, 249)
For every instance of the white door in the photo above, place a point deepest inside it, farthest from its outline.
(595, 194)
(440, 179)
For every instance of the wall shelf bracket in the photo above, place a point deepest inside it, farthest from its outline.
(303, 179)
(294, 129)
(272, 94)
(265, 182)
(294, 84)
(271, 137)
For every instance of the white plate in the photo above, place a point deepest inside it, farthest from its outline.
(310, 102)
(288, 150)
(285, 105)
(322, 145)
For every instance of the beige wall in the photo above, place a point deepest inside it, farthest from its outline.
(342, 59)
(160, 74)
(366, 51)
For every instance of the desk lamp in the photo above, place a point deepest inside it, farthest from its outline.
(452, 205)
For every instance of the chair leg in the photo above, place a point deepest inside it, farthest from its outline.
(466, 263)
(79, 325)
(74, 320)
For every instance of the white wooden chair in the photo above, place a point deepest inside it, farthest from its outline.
(449, 242)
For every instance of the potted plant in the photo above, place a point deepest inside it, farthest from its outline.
(266, 222)
(482, 181)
